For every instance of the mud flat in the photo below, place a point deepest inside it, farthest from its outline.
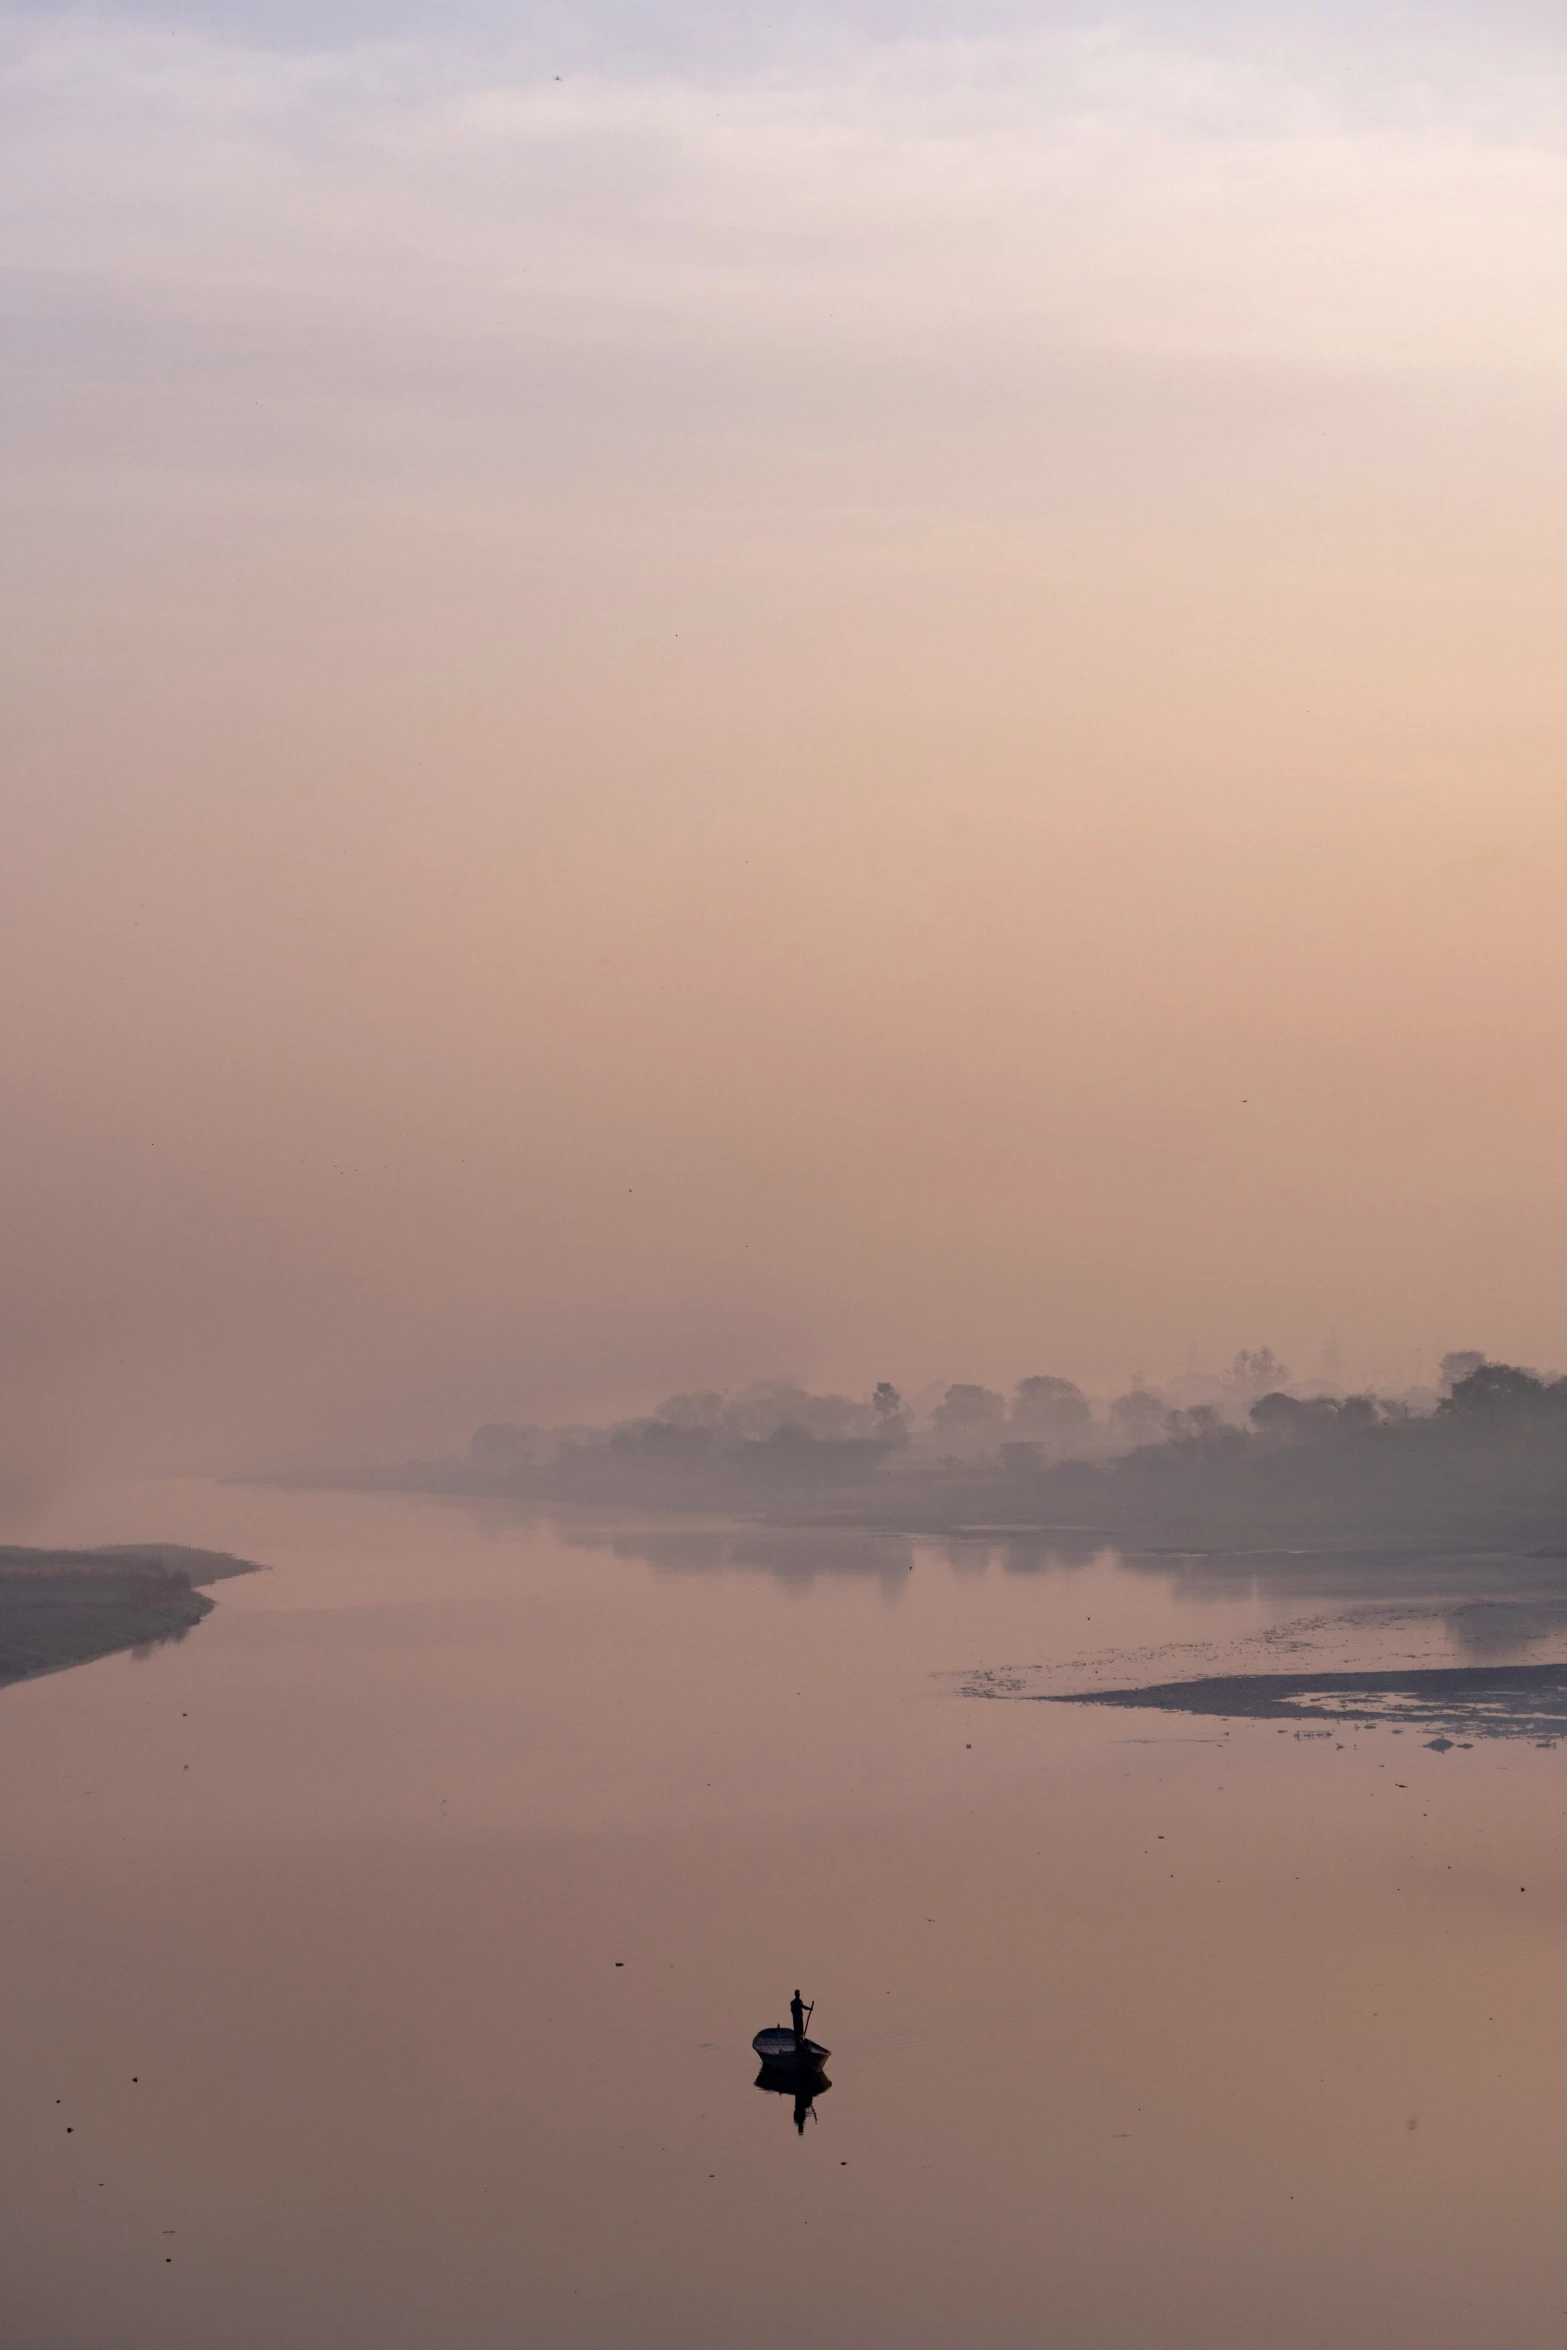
(65, 1607)
(1460, 1703)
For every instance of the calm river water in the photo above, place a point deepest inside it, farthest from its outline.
(380, 1964)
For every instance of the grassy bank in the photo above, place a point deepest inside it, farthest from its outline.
(61, 1607)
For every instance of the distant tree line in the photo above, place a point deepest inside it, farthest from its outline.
(1487, 1457)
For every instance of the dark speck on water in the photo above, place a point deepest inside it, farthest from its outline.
(557, 2166)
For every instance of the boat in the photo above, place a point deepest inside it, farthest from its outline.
(781, 2052)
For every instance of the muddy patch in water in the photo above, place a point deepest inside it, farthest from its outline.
(1459, 1704)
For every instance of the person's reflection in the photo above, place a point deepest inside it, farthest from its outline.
(804, 2089)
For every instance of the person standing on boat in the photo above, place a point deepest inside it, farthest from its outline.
(797, 2017)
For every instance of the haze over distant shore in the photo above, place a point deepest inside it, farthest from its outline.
(1481, 1464)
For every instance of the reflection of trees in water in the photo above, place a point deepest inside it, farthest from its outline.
(796, 1554)
(1493, 1605)
(1494, 1602)
(1024, 1552)
(800, 1553)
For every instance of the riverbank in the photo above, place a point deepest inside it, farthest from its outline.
(67, 1607)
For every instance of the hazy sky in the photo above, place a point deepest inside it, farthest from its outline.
(876, 691)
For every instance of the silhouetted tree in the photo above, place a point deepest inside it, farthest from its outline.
(782, 1403)
(968, 1418)
(892, 1419)
(503, 1446)
(1136, 1418)
(1257, 1368)
(703, 1409)
(1198, 1421)
(1055, 1411)
(1289, 1417)
(662, 1443)
(1496, 1391)
(1295, 1419)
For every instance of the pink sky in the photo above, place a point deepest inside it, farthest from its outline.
(899, 716)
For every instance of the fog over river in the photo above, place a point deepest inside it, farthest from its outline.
(382, 1960)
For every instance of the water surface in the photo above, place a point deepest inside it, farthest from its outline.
(381, 1962)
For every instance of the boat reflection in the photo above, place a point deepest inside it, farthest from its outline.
(803, 2087)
